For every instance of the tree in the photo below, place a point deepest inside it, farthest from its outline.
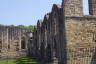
(21, 26)
(1, 25)
(31, 27)
(11, 25)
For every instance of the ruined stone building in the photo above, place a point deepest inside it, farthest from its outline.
(13, 41)
(66, 35)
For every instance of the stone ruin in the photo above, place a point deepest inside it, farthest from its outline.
(66, 35)
(13, 41)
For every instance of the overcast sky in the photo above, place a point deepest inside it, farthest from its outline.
(27, 12)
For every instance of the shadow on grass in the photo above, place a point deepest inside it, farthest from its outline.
(24, 60)
(27, 60)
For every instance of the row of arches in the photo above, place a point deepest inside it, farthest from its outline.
(48, 41)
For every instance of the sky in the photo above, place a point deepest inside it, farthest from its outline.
(27, 12)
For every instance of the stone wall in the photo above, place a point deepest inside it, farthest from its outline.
(81, 36)
(81, 29)
(48, 37)
(66, 36)
(13, 40)
(73, 7)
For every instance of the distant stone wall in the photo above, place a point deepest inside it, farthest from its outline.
(13, 41)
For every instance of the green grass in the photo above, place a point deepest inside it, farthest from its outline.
(11, 61)
(23, 60)
(27, 60)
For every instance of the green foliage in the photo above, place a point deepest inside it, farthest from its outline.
(23, 26)
(31, 27)
(11, 25)
(1, 25)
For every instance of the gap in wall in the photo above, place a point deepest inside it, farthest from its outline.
(85, 7)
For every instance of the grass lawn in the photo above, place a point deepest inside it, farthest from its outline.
(11, 61)
(24, 60)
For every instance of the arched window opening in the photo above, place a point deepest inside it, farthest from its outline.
(23, 43)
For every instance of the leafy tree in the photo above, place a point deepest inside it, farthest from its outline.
(31, 27)
(1, 25)
(11, 25)
(21, 26)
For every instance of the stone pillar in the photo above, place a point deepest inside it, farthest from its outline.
(2, 40)
(19, 39)
(39, 23)
(26, 44)
(7, 42)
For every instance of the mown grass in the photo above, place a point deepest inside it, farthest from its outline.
(10, 61)
(23, 60)
(27, 60)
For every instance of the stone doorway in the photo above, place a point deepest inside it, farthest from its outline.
(23, 43)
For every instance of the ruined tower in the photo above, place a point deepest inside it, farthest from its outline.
(77, 27)
(73, 7)
(92, 7)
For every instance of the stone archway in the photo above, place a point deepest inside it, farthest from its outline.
(23, 43)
